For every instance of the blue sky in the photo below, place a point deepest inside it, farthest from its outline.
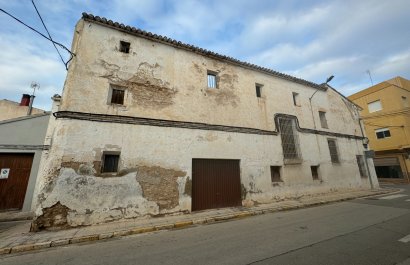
(308, 39)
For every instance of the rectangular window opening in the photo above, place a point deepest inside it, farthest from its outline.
(383, 133)
(295, 99)
(361, 165)
(117, 95)
(275, 174)
(290, 140)
(315, 172)
(125, 47)
(110, 162)
(212, 80)
(258, 90)
(374, 106)
(334, 156)
(323, 121)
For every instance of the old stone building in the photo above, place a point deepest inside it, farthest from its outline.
(148, 125)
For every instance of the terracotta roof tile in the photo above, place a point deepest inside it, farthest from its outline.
(179, 44)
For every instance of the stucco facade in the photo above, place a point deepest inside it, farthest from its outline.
(169, 117)
(25, 135)
(10, 110)
(390, 115)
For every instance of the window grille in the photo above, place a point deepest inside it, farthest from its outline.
(110, 163)
(334, 156)
(289, 137)
(360, 164)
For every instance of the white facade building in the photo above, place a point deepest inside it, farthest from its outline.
(148, 125)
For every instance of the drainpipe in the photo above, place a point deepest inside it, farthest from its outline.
(314, 123)
(365, 146)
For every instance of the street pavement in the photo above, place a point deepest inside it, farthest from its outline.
(363, 231)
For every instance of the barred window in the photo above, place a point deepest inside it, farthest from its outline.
(360, 164)
(289, 137)
(110, 162)
(334, 156)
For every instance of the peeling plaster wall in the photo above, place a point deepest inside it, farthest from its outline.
(164, 82)
(155, 166)
(154, 177)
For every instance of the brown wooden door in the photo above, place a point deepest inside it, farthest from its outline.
(13, 189)
(216, 183)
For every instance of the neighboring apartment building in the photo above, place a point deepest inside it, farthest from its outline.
(10, 109)
(148, 125)
(386, 117)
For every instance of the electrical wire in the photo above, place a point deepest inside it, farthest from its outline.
(44, 36)
(48, 33)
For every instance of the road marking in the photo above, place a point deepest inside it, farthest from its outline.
(405, 239)
(390, 197)
(408, 200)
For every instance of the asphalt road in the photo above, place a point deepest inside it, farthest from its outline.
(363, 231)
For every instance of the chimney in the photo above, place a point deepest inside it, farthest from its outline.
(25, 100)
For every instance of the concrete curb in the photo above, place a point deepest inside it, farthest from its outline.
(180, 224)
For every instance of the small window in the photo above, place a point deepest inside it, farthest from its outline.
(275, 174)
(360, 164)
(334, 156)
(315, 172)
(125, 47)
(374, 106)
(323, 121)
(405, 102)
(382, 133)
(117, 95)
(295, 99)
(211, 80)
(258, 90)
(110, 162)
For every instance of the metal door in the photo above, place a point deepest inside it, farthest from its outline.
(216, 183)
(13, 188)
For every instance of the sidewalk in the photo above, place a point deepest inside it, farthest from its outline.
(18, 239)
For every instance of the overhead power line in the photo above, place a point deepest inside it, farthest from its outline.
(55, 46)
(41, 34)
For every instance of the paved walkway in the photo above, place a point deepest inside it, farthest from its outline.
(17, 238)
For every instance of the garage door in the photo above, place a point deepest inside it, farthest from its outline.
(13, 188)
(216, 183)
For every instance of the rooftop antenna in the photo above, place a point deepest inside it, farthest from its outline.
(34, 85)
(370, 76)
